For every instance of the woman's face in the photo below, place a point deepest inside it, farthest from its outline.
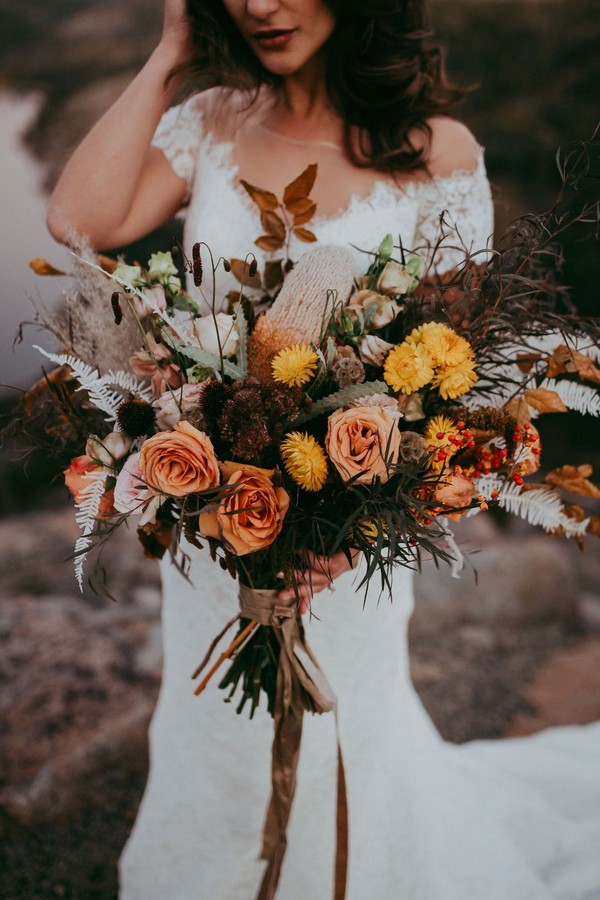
(284, 34)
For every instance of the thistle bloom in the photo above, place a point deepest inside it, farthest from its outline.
(295, 365)
(407, 368)
(304, 460)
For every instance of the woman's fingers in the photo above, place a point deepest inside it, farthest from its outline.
(176, 26)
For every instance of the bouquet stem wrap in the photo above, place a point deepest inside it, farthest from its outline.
(297, 669)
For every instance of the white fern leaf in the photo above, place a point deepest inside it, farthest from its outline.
(576, 396)
(540, 507)
(98, 387)
(86, 516)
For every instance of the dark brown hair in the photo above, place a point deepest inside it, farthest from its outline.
(384, 76)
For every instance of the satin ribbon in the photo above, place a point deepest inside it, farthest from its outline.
(297, 668)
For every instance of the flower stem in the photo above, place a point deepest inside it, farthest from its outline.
(225, 655)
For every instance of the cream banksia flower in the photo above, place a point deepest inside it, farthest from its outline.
(304, 460)
(295, 365)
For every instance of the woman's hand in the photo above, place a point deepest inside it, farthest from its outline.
(321, 574)
(176, 33)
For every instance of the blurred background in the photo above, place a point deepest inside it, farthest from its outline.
(79, 675)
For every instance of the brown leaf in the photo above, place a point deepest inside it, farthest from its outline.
(574, 480)
(155, 538)
(302, 210)
(565, 359)
(303, 234)
(43, 267)
(300, 187)
(265, 200)
(544, 401)
(594, 526)
(62, 375)
(518, 409)
(269, 243)
(107, 263)
(525, 361)
(239, 269)
(273, 224)
(273, 274)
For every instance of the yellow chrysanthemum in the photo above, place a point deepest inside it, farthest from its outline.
(407, 368)
(441, 343)
(295, 365)
(304, 460)
(437, 433)
(455, 381)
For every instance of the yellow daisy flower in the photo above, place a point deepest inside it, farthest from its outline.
(441, 343)
(304, 460)
(437, 433)
(455, 381)
(295, 365)
(407, 368)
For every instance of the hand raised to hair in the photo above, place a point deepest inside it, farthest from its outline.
(322, 573)
(176, 33)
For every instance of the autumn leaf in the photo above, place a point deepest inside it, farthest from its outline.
(300, 187)
(594, 526)
(43, 267)
(302, 210)
(240, 270)
(273, 274)
(519, 410)
(544, 401)
(107, 263)
(273, 224)
(565, 359)
(269, 243)
(265, 200)
(60, 376)
(574, 480)
(525, 361)
(303, 234)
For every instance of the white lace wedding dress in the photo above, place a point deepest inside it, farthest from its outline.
(489, 820)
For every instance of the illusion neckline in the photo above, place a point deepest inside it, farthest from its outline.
(231, 170)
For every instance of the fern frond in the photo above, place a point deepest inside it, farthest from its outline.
(342, 398)
(576, 396)
(86, 516)
(539, 506)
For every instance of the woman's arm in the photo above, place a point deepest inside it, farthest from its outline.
(116, 187)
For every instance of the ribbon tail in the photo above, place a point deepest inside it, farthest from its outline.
(284, 763)
(341, 831)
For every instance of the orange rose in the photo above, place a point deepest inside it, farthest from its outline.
(179, 462)
(251, 513)
(362, 441)
(456, 491)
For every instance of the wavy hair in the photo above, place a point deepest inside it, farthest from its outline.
(384, 75)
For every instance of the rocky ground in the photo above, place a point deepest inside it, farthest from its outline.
(79, 676)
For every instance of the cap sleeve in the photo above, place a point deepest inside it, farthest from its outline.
(179, 135)
(455, 216)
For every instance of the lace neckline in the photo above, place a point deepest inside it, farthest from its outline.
(382, 189)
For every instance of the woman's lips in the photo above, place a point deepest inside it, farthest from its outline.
(274, 38)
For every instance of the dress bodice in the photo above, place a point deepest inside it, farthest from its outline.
(418, 212)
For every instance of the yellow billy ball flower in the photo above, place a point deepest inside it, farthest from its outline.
(295, 365)
(304, 460)
(455, 381)
(444, 346)
(407, 368)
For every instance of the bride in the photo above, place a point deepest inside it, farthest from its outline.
(349, 86)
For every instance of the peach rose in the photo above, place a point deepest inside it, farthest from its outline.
(76, 481)
(179, 462)
(251, 513)
(361, 440)
(457, 491)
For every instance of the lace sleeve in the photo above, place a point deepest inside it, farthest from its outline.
(179, 135)
(455, 217)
